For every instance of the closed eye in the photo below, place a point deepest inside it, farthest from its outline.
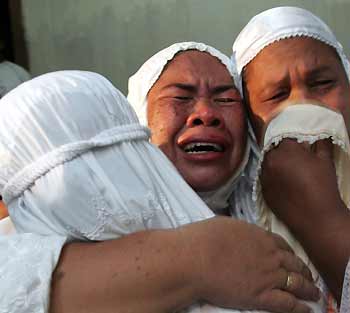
(278, 95)
(183, 98)
(322, 82)
(227, 100)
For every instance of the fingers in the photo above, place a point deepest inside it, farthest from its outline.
(282, 302)
(292, 263)
(297, 285)
(289, 260)
(287, 144)
(282, 243)
(324, 149)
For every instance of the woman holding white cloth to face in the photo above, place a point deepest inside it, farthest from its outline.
(298, 60)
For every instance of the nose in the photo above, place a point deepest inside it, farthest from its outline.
(300, 94)
(205, 114)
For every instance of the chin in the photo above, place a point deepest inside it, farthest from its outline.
(205, 179)
(206, 184)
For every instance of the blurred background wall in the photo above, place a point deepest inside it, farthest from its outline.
(114, 37)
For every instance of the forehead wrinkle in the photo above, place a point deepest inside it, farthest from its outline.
(310, 65)
(265, 83)
(222, 88)
(318, 71)
(190, 73)
(182, 86)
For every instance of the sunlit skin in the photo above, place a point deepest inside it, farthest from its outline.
(195, 100)
(3, 210)
(295, 70)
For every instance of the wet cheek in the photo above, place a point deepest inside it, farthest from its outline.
(256, 110)
(236, 123)
(337, 102)
(165, 126)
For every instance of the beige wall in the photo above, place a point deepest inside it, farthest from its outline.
(114, 37)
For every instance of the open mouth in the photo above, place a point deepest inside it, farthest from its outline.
(202, 147)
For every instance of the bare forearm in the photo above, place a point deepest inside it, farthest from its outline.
(144, 272)
(164, 271)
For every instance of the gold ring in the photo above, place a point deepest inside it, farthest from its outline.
(289, 281)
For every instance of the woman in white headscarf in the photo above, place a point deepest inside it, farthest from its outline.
(295, 79)
(235, 192)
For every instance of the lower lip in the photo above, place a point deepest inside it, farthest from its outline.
(207, 156)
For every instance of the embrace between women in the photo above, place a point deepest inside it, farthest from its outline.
(76, 166)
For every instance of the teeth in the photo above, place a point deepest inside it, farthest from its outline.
(202, 147)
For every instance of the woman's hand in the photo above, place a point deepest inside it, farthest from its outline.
(299, 179)
(299, 184)
(241, 266)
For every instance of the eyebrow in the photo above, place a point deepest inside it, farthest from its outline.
(223, 88)
(320, 70)
(186, 87)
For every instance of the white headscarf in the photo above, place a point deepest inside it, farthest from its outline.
(74, 161)
(281, 23)
(143, 80)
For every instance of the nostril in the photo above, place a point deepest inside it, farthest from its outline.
(197, 121)
(215, 122)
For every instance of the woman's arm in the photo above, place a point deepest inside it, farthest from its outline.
(221, 261)
(300, 186)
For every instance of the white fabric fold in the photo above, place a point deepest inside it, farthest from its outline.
(23, 179)
(6, 227)
(27, 262)
(345, 299)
